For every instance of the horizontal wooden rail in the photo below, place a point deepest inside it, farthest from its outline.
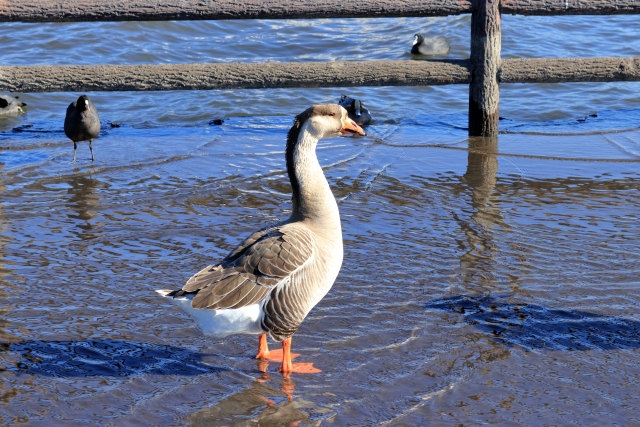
(306, 74)
(164, 10)
(569, 7)
(232, 76)
(568, 70)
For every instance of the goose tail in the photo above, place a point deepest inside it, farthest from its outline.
(221, 322)
(164, 292)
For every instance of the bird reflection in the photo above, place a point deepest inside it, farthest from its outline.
(85, 201)
(287, 386)
(262, 405)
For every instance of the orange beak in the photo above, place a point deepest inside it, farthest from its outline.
(349, 126)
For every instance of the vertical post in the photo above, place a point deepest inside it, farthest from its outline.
(484, 92)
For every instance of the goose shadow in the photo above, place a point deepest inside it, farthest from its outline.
(533, 326)
(111, 358)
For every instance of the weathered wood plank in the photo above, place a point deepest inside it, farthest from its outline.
(568, 70)
(154, 10)
(570, 7)
(484, 90)
(307, 74)
(234, 75)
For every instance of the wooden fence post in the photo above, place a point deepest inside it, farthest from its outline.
(484, 92)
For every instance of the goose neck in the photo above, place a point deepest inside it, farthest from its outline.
(312, 196)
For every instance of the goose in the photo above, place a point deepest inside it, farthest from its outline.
(10, 106)
(430, 46)
(268, 284)
(356, 109)
(82, 123)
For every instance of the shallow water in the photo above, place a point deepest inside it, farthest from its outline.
(486, 281)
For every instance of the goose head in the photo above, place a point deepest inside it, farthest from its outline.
(312, 125)
(323, 121)
(335, 120)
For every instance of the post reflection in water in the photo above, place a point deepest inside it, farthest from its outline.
(85, 201)
(480, 176)
(5, 337)
(3, 295)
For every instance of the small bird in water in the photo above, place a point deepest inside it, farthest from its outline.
(357, 111)
(82, 123)
(270, 282)
(10, 106)
(430, 46)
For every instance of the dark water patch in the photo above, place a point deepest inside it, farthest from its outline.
(110, 358)
(534, 326)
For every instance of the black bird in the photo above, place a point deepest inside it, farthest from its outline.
(357, 111)
(10, 106)
(82, 123)
(430, 46)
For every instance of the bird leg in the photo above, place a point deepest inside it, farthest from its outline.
(75, 147)
(286, 368)
(285, 355)
(91, 148)
(263, 347)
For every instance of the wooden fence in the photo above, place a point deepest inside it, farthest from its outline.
(483, 71)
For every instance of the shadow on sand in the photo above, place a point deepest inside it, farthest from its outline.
(533, 326)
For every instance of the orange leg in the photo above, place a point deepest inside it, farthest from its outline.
(286, 367)
(263, 348)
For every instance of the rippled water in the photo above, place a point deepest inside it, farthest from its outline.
(486, 281)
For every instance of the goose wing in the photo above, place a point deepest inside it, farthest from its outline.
(252, 270)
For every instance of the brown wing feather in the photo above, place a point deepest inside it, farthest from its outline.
(252, 270)
(249, 241)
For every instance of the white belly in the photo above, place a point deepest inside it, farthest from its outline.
(223, 322)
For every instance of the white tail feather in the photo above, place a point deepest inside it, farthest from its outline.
(220, 323)
(164, 292)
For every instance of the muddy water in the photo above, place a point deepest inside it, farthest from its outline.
(485, 280)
